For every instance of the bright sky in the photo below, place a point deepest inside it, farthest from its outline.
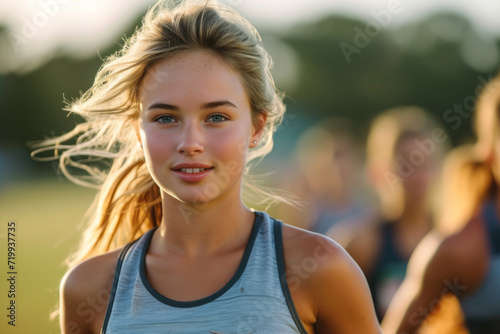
(39, 27)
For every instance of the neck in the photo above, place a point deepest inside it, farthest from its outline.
(202, 230)
(415, 213)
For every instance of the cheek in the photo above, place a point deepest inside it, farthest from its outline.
(156, 146)
(231, 148)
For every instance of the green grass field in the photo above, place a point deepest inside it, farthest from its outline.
(47, 215)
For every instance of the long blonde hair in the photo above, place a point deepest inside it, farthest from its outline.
(468, 170)
(103, 151)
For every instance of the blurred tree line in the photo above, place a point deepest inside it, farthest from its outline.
(340, 72)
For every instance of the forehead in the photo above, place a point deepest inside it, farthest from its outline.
(197, 73)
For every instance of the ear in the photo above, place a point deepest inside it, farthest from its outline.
(258, 128)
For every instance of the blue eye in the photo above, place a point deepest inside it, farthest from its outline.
(218, 118)
(164, 119)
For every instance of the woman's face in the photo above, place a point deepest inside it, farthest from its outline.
(195, 127)
(419, 164)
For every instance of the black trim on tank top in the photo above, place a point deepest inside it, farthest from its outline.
(116, 277)
(280, 259)
(212, 297)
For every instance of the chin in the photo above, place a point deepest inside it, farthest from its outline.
(196, 200)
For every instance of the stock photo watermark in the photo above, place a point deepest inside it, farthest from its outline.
(454, 118)
(89, 308)
(455, 115)
(301, 272)
(223, 177)
(455, 288)
(363, 36)
(210, 189)
(31, 26)
(11, 273)
(406, 167)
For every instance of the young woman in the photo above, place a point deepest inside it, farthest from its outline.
(464, 259)
(181, 111)
(402, 163)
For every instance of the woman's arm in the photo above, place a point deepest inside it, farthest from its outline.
(84, 294)
(72, 304)
(344, 302)
(438, 267)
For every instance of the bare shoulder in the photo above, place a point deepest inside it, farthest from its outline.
(301, 244)
(328, 288)
(317, 255)
(84, 293)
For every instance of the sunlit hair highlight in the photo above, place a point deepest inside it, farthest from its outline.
(469, 170)
(103, 151)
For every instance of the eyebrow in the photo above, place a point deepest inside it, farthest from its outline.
(208, 105)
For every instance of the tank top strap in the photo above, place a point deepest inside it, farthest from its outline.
(280, 258)
(116, 277)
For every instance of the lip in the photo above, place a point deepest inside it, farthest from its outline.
(191, 177)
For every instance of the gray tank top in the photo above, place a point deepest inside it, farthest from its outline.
(255, 300)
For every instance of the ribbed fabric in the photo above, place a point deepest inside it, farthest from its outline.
(253, 301)
(482, 308)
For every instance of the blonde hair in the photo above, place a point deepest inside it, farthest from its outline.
(469, 179)
(106, 154)
(387, 131)
(466, 182)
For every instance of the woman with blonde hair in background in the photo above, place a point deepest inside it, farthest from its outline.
(461, 256)
(404, 150)
(326, 174)
(179, 114)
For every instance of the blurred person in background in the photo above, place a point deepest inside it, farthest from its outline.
(328, 177)
(404, 150)
(461, 256)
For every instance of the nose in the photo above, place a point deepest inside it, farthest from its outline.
(191, 140)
